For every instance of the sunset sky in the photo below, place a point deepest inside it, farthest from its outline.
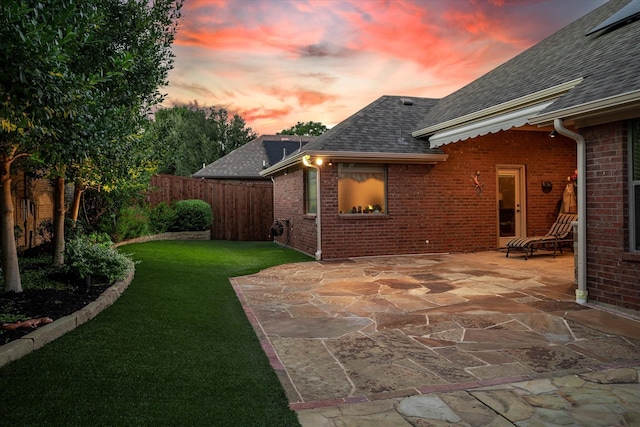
(279, 62)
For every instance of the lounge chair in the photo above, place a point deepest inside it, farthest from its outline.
(560, 232)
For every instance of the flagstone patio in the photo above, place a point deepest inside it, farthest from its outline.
(370, 329)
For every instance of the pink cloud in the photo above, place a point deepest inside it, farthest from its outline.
(276, 62)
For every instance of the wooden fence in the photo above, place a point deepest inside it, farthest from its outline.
(242, 210)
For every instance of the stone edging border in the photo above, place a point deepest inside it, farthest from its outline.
(16, 349)
(32, 341)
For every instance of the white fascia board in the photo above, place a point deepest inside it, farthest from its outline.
(381, 157)
(357, 156)
(284, 164)
(499, 109)
(588, 109)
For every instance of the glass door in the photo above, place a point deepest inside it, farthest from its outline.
(510, 204)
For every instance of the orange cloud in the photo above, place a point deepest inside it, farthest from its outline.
(261, 113)
(304, 97)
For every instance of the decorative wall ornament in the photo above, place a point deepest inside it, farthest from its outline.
(477, 183)
(547, 186)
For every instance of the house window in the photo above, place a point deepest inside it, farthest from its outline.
(361, 188)
(310, 191)
(634, 211)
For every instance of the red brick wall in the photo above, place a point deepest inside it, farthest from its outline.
(438, 203)
(288, 191)
(613, 274)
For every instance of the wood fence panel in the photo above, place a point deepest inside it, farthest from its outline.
(241, 210)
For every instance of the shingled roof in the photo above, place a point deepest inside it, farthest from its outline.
(247, 161)
(384, 126)
(380, 132)
(592, 67)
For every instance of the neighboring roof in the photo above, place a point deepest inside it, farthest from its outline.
(569, 75)
(381, 131)
(247, 161)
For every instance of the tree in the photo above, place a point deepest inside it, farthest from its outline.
(131, 45)
(35, 89)
(305, 129)
(69, 71)
(189, 136)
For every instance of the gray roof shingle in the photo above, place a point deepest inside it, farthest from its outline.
(247, 161)
(384, 126)
(608, 61)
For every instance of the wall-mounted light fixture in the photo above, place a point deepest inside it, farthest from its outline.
(309, 162)
(547, 186)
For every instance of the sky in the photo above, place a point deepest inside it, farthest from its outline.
(279, 62)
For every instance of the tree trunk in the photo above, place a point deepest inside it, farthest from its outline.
(10, 270)
(58, 222)
(75, 207)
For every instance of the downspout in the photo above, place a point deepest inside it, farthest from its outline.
(581, 292)
(307, 162)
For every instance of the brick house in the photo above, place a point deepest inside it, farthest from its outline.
(481, 164)
(385, 192)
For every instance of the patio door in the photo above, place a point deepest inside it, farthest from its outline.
(510, 204)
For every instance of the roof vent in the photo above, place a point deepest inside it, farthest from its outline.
(406, 101)
(627, 14)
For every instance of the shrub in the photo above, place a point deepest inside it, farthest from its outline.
(133, 221)
(95, 262)
(192, 215)
(100, 238)
(162, 217)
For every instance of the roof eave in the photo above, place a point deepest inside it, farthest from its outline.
(500, 109)
(358, 156)
(229, 177)
(605, 106)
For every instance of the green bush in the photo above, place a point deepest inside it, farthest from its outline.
(162, 216)
(100, 238)
(133, 221)
(192, 215)
(95, 262)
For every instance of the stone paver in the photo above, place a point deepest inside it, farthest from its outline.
(435, 340)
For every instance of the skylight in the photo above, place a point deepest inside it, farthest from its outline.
(627, 14)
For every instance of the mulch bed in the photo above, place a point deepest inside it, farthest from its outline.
(37, 303)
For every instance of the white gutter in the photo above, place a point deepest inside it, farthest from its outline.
(357, 156)
(306, 161)
(610, 104)
(581, 292)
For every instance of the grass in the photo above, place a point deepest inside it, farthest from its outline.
(175, 349)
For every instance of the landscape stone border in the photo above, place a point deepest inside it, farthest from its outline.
(32, 341)
(16, 349)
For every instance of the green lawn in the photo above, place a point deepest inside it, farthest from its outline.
(175, 349)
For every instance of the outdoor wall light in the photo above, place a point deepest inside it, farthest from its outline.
(306, 160)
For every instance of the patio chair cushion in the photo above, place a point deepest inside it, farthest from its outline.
(559, 231)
